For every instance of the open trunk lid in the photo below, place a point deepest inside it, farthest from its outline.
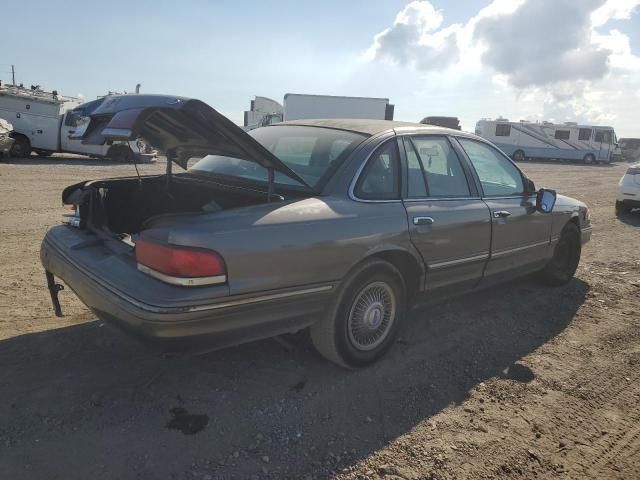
(181, 128)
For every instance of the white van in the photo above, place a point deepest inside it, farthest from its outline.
(567, 141)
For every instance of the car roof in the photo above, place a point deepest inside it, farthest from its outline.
(369, 126)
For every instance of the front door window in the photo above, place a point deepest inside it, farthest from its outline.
(498, 176)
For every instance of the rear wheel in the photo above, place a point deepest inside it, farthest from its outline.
(21, 147)
(370, 310)
(566, 256)
(518, 156)
(121, 154)
(589, 159)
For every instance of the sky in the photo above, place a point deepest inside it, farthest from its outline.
(555, 60)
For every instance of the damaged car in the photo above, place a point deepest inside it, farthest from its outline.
(336, 226)
(6, 140)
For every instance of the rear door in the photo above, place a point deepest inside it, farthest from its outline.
(520, 234)
(448, 222)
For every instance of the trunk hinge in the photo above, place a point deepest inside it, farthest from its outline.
(270, 184)
(54, 288)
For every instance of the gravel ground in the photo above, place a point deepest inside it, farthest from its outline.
(519, 381)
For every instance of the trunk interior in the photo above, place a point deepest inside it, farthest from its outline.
(124, 206)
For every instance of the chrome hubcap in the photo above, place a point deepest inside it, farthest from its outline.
(372, 315)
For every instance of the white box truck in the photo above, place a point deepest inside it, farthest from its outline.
(297, 106)
(46, 123)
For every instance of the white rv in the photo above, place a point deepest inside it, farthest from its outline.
(45, 123)
(568, 141)
(297, 106)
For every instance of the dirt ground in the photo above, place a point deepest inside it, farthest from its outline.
(520, 381)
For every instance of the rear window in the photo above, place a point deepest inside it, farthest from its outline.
(314, 153)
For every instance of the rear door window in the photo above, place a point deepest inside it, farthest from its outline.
(416, 187)
(440, 167)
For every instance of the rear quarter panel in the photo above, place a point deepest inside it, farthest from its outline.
(310, 241)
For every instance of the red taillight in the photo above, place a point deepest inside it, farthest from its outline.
(180, 265)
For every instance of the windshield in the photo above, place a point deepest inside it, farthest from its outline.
(313, 153)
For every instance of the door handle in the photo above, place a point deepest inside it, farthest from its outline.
(501, 214)
(423, 221)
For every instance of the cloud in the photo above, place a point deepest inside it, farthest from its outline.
(543, 42)
(613, 10)
(532, 43)
(535, 59)
(415, 39)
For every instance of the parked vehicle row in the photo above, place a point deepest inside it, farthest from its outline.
(46, 123)
(333, 225)
(569, 141)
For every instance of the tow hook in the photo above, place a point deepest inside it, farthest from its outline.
(54, 288)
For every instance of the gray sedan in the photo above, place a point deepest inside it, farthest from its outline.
(337, 226)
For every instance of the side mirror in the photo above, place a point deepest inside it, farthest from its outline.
(545, 200)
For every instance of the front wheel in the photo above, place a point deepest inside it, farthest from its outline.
(563, 265)
(371, 307)
(622, 208)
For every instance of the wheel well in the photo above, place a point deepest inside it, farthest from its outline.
(408, 266)
(576, 221)
(117, 147)
(21, 135)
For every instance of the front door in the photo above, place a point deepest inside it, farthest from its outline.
(603, 139)
(73, 127)
(521, 235)
(449, 224)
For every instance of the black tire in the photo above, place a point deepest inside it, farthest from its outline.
(566, 256)
(589, 159)
(21, 147)
(519, 156)
(121, 154)
(622, 208)
(339, 339)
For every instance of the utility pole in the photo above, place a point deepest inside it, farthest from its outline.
(13, 75)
